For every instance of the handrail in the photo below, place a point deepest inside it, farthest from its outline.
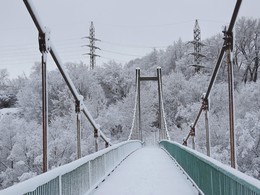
(217, 66)
(36, 19)
(210, 175)
(78, 177)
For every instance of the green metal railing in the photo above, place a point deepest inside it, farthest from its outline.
(211, 176)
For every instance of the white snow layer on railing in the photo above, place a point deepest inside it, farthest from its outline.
(78, 177)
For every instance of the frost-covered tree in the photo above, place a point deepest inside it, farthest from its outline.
(62, 140)
(247, 127)
(115, 80)
(7, 95)
(246, 46)
(109, 94)
(20, 145)
(3, 79)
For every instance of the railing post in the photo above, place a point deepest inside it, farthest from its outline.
(228, 37)
(192, 134)
(207, 132)
(60, 185)
(96, 139)
(78, 109)
(44, 39)
(90, 173)
(193, 142)
(205, 107)
(44, 113)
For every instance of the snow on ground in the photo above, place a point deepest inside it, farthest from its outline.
(148, 171)
(6, 111)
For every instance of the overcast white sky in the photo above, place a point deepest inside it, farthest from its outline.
(127, 28)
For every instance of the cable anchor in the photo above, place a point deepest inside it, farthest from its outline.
(79, 104)
(228, 39)
(44, 41)
(205, 103)
(192, 131)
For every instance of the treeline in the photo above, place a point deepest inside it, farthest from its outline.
(108, 92)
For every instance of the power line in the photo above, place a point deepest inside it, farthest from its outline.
(115, 59)
(133, 45)
(213, 21)
(119, 53)
(144, 25)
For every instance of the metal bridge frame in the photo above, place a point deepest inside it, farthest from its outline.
(226, 48)
(46, 46)
(137, 120)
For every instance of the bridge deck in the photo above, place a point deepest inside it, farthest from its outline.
(148, 171)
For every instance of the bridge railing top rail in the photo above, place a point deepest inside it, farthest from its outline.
(222, 167)
(32, 184)
(232, 173)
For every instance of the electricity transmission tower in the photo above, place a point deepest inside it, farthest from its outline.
(92, 47)
(197, 47)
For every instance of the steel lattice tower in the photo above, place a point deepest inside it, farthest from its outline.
(197, 39)
(197, 47)
(92, 47)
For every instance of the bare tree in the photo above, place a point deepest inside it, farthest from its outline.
(247, 47)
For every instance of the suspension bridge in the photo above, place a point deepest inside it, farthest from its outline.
(131, 167)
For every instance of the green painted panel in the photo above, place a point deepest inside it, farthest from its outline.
(209, 177)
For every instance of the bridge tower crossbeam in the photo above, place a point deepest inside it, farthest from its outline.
(136, 131)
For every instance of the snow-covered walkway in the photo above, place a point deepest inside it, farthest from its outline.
(148, 171)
